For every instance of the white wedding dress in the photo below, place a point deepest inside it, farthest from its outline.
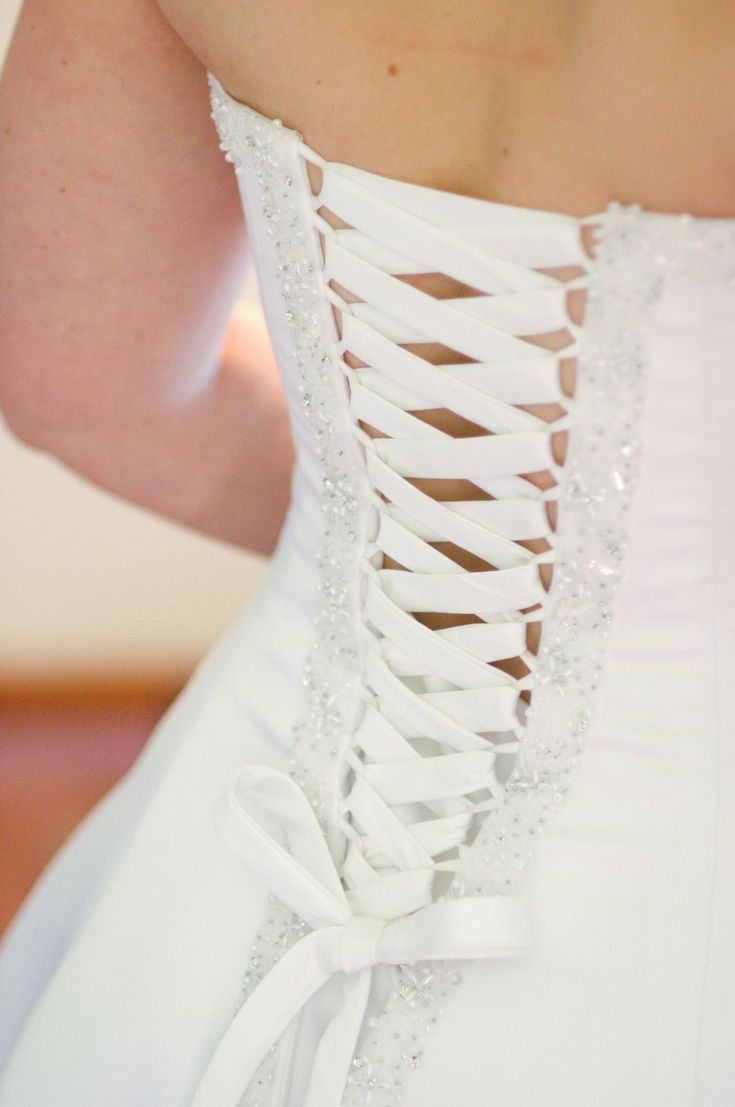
(352, 868)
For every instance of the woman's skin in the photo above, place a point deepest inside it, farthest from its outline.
(122, 253)
(123, 241)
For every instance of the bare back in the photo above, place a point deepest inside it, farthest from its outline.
(558, 105)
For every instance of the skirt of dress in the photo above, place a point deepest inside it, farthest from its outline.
(126, 964)
(135, 938)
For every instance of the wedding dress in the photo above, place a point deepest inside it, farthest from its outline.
(362, 862)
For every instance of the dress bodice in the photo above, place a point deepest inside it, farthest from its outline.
(446, 815)
(430, 765)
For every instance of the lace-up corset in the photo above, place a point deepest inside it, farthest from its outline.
(437, 716)
(470, 553)
(440, 714)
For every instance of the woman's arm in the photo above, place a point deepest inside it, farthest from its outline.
(122, 253)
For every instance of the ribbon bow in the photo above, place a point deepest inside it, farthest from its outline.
(303, 876)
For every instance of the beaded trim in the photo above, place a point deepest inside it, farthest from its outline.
(634, 251)
(594, 495)
(280, 930)
(331, 671)
(396, 1039)
(636, 255)
(392, 1046)
(595, 489)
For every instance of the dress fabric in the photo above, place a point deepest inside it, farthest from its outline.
(352, 867)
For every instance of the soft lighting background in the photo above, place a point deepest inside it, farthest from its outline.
(104, 611)
(89, 581)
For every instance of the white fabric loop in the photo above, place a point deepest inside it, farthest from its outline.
(438, 706)
(302, 874)
(444, 703)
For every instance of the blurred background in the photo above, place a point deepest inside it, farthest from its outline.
(104, 612)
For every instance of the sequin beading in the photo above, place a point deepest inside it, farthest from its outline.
(435, 743)
(436, 713)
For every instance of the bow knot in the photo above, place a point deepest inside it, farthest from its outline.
(295, 864)
(358, 945)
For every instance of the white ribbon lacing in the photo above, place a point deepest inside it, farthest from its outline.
(299, 870)
(437, 710)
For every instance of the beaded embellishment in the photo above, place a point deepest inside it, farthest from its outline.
(595, 491)
(397, 1038)
(331, 667)
(329, 674)
(280, 930)
(635, 252)
(594, 495)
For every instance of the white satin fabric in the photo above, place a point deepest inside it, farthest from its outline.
(302, 874)
(122, 972)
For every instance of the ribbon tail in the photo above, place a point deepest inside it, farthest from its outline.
(282, 1078)
(336, 1048)
(264, 1017)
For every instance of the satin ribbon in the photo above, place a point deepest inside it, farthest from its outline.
(293, 861)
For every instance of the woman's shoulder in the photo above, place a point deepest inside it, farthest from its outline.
(551, 104)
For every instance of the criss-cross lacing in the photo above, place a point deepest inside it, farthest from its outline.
(440, 710)
(461, 452)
